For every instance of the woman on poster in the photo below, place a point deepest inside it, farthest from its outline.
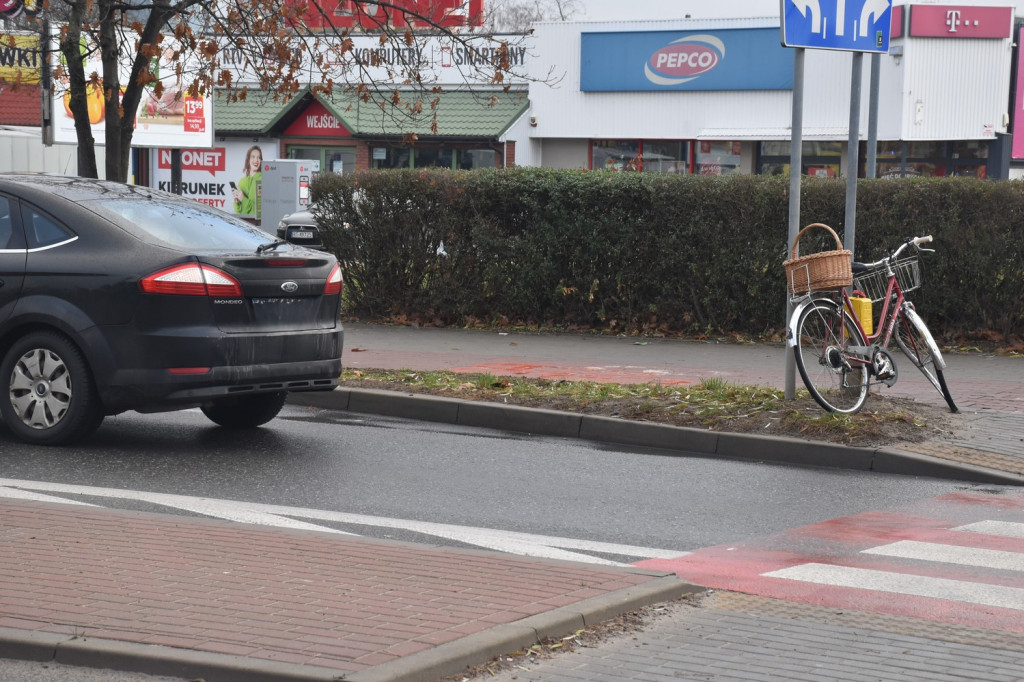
(245, 191)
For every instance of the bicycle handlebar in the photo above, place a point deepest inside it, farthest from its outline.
(915, 241)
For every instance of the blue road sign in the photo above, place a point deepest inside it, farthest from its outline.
(851, 25)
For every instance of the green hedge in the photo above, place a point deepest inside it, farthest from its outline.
(630, 251)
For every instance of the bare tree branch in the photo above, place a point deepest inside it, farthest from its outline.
(373, 51)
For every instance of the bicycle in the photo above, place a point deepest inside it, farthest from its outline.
(838, 360)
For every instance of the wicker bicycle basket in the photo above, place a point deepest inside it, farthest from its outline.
(822, 271)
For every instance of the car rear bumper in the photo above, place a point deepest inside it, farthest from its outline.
(168, 370)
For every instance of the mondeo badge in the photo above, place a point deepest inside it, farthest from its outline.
(290, 287)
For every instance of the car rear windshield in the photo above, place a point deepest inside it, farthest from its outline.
(182, 224)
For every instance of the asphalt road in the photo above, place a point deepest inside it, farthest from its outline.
(458, 476)
(424, 482)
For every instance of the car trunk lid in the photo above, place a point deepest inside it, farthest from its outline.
(279, 292)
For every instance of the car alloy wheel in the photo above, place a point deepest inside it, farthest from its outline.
(50, 394)
(40, 388)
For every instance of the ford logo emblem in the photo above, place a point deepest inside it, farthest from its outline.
(290, 287)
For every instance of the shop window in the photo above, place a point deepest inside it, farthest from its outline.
(332, 159)
(615, 155)
(718, 157)
(970, 149)
(970, 158)
(896, 159)
(477, 158)
(437, 157)
(665, 156)
(392, 157)
(383, 158)
(819, 158)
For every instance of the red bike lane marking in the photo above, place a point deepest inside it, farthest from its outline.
(612, 374)
(840, 546)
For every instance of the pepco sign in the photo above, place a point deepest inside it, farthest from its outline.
(675, 60)
(684, 59)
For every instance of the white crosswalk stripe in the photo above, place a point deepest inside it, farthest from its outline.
(915, 582)
(1005, 529)
(952, 554)
(900, 583)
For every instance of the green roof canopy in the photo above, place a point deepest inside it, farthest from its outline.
(460, 113)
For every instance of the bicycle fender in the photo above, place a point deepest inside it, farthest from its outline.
(915, 319)
(795, 317)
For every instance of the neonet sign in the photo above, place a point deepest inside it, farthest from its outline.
(396, 13)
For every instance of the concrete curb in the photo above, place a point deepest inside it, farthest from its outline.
(426, 666)
(681, 440)
(452, 658)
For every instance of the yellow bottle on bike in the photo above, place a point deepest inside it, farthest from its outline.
(862, 311)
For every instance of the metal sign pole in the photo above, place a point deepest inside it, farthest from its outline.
(872, 155)
(853, 152)
(795, 177)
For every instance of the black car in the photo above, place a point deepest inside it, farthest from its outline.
(115, 297)
(301, 228)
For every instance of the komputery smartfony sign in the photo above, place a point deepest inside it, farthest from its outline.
(730, 59)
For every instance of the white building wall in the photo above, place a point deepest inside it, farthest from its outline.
(565, 153)
(955, 89)
(22, 150)
(518, 132)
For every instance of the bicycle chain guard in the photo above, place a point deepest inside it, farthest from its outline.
(884, 367)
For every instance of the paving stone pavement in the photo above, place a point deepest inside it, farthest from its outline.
(725, 637)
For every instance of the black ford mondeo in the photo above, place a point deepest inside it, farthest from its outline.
(115, 297)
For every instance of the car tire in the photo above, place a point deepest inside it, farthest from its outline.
(50, 396)
(245, 411)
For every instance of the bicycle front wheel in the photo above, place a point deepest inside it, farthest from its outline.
(916, 342)
(824, 335)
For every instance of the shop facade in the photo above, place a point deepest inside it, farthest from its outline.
(714, 96)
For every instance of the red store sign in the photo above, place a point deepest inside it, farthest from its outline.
(317, 121)
(960, 21)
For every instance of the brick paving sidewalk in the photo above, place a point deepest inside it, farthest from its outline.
(340, 603)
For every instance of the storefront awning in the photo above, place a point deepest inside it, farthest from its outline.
(460, 114)
(771, 133)
(258, 114)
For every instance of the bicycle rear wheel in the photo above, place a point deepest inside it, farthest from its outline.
(916, 342)
(824, 333)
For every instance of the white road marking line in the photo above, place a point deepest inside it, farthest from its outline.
(524, 544)
(952, 554)
(1003, 528)
(899, 583)
(14, 493)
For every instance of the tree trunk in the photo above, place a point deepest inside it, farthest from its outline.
(71, 48)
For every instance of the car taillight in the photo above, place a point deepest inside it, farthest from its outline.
(285, 262)
(192, 279)
(334, 281)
